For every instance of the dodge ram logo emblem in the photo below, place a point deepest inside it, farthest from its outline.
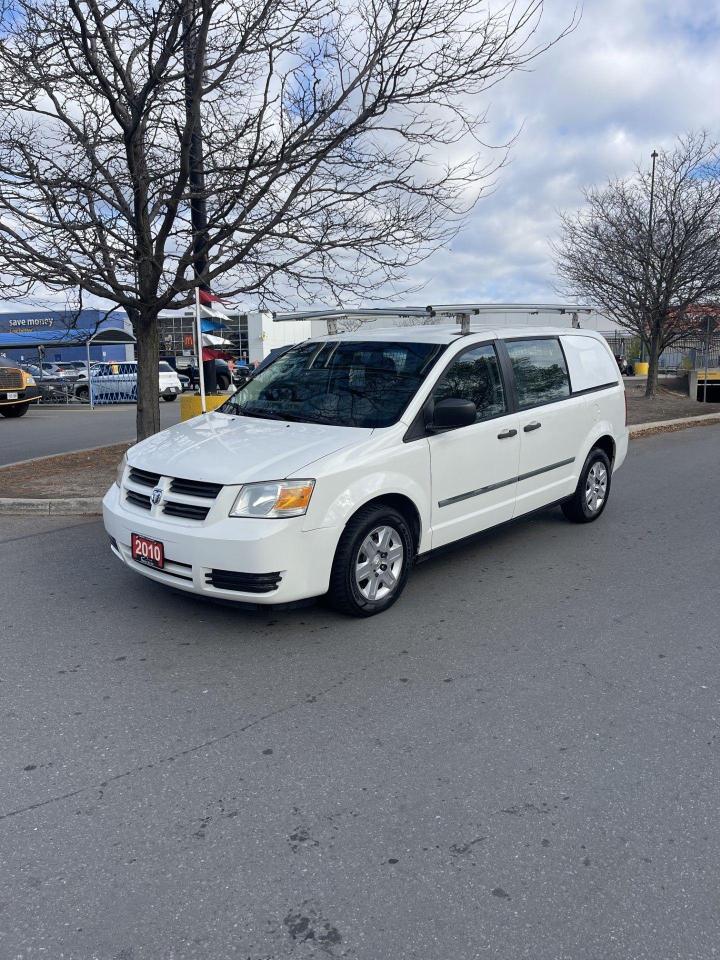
(156, 496)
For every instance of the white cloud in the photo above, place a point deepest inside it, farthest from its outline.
(632, 77)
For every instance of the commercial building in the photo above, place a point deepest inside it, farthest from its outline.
(252, 334)
(28, 336)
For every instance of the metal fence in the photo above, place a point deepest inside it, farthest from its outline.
(113, 383)
(685, 354)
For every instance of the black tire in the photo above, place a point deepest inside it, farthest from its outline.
(83, 394)
(583, 507)
(170, 396)
(346, 593)
(223, 383)
(18, 410)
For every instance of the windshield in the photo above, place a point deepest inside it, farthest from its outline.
(348, 383)
(165, 367)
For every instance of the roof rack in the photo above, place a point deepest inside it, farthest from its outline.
(463, 312)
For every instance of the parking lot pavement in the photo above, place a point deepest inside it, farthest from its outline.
(48, 429)
(519, 760)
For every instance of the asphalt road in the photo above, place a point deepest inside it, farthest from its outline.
(47, 429)
(519, 760)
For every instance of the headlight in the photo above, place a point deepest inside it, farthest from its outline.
(121, 470)
(281, 498)
(28, 379)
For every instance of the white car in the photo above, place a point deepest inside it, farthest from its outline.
(116, 381)
(351, 456)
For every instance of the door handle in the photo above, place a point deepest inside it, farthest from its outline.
(529, 427)
(507, 433)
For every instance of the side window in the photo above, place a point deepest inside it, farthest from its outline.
(590, 362)
(475, 375)
(541, 374)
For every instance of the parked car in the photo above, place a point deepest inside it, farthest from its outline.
(117, 381)
(17, 389)
(222, 374)
(241, 373)
(54, 370)
(350, 457)
(625, 368)
(71, 369)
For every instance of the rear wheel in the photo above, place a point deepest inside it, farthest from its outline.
(593, 489)
(170, 396)
(223, 383)
(372, 562)
(83, 394)
(19, 410)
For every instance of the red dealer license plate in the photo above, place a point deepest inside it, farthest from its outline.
(147, 551)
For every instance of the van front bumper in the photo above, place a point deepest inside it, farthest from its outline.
(270, 561)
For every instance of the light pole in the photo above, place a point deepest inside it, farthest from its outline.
(198, 205)
(648, 248)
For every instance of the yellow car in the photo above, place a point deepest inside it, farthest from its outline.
(17, 389)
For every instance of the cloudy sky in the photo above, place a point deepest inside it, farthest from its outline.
(633, 75)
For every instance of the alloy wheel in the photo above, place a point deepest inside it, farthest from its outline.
(379, 563)
(596, 486)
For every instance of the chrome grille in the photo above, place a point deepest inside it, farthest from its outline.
(195, 488)
(139, 499)
(144, 477)
(186, 504)
(189, 511)
(10, 378)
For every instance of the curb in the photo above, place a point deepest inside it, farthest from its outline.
(670, 426)
(51, 506)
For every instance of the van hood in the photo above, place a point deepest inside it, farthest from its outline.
(227, 449)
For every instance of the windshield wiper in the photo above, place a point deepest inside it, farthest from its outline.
(263, 415)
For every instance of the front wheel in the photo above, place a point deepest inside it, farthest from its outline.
(372, 562)
(169, 397)
(15, 411)
(593, 489)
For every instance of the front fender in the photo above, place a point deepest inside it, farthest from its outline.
(340, 495)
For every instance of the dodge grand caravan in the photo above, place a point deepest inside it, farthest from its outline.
(351, 456)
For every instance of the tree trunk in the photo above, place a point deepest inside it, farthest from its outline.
(653, 366)
(148, 380)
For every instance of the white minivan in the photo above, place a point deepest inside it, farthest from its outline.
(351, 456)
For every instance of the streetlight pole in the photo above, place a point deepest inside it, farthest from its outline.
(648, 249)
(198, 203)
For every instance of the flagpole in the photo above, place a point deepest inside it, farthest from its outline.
(198, 336)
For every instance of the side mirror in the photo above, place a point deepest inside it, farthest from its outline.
(452, 413)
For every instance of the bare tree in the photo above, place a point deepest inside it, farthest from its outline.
(335, 137)
(648, 272)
